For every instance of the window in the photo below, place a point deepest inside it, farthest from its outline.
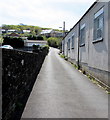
(98, 25)
(68, 43)
(82, 35)
(72, 44)
(63, 45)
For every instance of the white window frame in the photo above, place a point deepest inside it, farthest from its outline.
(82, 35)
(98, 25)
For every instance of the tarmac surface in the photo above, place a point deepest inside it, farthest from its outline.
(61, 91)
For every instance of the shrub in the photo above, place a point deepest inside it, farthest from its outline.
(32, 37)
(40, 38)
(38, 48)
(13, 41)
(54, 42)
(45, 48)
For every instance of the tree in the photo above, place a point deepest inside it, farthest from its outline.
(14, 42)
(54, 42)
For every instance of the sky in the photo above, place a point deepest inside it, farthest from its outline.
(43, 13)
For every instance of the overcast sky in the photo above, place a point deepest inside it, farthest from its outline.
(43, 13)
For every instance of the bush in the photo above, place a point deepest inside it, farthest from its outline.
(45, 48)
(40, 38)
(32, 37)
(54, 42)
(14, 42)
(38, 48)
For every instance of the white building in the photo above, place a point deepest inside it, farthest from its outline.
(11, 31)
(46, 33)
(26, 31)
(30, 43)
(51, 33)
(88, 42)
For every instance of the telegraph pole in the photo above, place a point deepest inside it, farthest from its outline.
(63, 35)
(64, 29)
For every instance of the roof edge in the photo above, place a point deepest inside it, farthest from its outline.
(82, 16)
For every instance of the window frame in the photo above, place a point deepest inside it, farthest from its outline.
(97, 17)
(68, 43)
(72, 41)
(82, 42)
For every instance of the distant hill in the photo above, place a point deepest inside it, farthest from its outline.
(22, 27)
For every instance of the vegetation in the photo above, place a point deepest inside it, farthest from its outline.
(54, 42)
(38, 48)
(14, 42)
(34, 30)
(33, 35)
(62, 56)
(1, 39)
(40, 38)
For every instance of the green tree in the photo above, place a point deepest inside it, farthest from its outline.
(54, 42)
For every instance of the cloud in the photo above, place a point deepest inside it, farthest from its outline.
(44, 13)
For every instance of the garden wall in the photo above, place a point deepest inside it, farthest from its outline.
(19, 72)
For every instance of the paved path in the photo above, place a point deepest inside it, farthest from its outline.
(61, 91)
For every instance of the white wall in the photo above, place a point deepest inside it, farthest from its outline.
(94, 54)
(83, 50)
(109, 37)
(98, 52)
(30, 44)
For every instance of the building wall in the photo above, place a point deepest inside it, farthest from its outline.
(93, 57)
(109, 43)
(98, 52)
(30, 44)
(109, 37)
(74, 51)
(83, 50)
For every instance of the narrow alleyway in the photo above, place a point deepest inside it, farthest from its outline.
(61, 91)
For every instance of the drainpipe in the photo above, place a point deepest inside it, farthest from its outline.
(78, 46)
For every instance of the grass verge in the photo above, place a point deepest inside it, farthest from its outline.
(94, 80)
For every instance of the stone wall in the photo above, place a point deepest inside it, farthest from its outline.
(19, 72)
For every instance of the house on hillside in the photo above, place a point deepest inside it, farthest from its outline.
(87, 44)
(11, 31)
(46, 33)
(56, 34)
(26, 31)
(51, 33)
(13, 35)
(3, 31)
